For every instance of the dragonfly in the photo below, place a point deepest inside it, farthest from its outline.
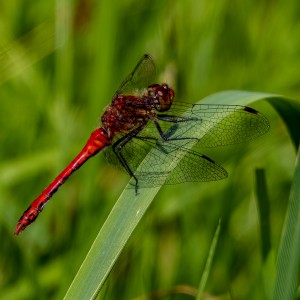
(143, 124)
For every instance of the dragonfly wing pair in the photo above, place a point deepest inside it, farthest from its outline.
(202, 125)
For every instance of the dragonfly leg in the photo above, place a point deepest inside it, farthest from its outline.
(175, 119)
(166, 137)
(117, 148)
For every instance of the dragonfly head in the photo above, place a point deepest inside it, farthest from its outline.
(162, 96)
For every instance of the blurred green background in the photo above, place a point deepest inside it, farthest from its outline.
(60, 64)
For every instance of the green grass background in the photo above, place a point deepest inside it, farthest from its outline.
(60, 63)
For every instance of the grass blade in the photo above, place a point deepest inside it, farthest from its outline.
(264, 211)
(209, 261)
(290, 113)
(110, 241)
(18, 55)
(126, 215)
(288, 256)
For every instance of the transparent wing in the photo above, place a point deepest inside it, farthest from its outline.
(172, 163)
(161, 158)
(200, 125)
(216, 125)
(140, 78)
(134, 151)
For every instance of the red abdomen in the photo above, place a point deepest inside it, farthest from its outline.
(97, 141)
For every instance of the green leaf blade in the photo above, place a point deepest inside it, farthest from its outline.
(288, 256)
(128, 212)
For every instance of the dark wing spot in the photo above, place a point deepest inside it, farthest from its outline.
(208, 158)
(250, 110)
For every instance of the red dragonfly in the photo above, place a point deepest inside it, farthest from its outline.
(143, 123)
